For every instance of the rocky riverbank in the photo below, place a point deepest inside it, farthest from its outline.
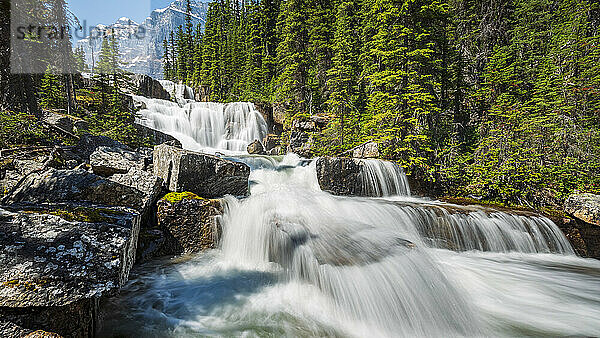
(74, 220)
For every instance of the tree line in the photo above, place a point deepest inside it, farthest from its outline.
(494, 98)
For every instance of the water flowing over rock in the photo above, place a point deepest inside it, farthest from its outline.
(58, 259)
(206, 126)
(205, 175)
(189, 222)
(353, 177)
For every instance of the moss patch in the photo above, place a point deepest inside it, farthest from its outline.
(176, 197)
(83, 214)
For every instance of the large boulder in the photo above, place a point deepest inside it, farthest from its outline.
(339, 176)
(155, 137)
(151, 186)
(146, 86)
(77, 186)
(189, 222)
(12, 171)
(59, 259)
(88, 144)
(256, 148)
(205, 175)
(271, 141)
(60, 121)
(585, 207)
(107, 161)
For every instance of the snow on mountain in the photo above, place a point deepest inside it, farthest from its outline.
(141, 45)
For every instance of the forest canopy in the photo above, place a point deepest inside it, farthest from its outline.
(498, 99)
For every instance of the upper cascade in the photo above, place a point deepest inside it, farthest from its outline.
(205, 126)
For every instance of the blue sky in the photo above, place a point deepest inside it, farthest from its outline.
(108, 11)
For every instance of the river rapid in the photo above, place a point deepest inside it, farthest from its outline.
(297, 261)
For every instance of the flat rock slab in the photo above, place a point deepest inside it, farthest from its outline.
(205, 175)
(585, 207)
(107, 161)
(55, 255)
(89, 143)
(76, 185)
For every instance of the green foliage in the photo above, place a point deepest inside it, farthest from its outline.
(499, 99)
(51, 96)
(20, 129)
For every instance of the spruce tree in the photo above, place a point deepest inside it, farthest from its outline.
(50, 93)
(343, 84)
(292, 56)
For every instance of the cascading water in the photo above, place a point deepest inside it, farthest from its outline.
(297, 261)
(206, 126)
(382, 178)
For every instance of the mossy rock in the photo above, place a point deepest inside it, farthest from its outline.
(83, 214)
(176, 197)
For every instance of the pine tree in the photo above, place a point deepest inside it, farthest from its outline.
(343, 84)
(166, 60)
(399, 64)
(292, 56)
(50, 93)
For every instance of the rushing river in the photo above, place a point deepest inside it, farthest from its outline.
(297, 261)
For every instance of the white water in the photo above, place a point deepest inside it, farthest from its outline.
(296, 261)
(206, 126)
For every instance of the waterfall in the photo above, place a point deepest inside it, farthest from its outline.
(297, 261)
(206, 126)
(383, 178)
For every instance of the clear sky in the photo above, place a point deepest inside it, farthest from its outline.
(96, 12)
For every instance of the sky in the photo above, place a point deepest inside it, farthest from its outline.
(106, 12)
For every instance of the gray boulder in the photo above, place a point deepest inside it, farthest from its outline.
(585, 207)
(154, 136)
(75, 185)
(88, 144)
(57, 261)
(151, 186)
(271, 141)
(339, 176)
(57, 120)
(189, 222)
(12, 171)
(107, 161)
(205, 175)
(256, 148)
(146, 86)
